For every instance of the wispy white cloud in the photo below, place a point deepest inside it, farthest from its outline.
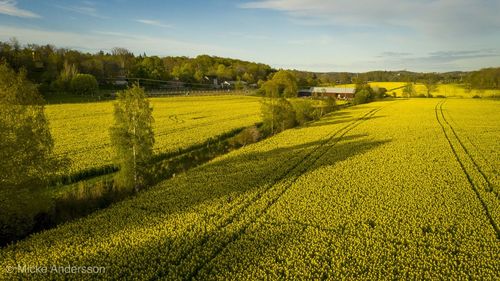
(9, 7)
(441, 60)
(154, 23)
(428, 61)
(86, 8)
(453, 55)
(394, 54)
(437, 17)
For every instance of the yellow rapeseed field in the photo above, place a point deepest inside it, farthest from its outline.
(402, 189)
(81, 131)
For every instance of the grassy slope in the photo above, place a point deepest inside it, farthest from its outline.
(347, 197)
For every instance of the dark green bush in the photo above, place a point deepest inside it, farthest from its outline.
(279, 115)
(84, 84)
(304, 111)
(380, 93)
(363, 96)
(330, 104)
(247, 136)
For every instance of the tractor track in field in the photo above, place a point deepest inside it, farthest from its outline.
(197, 126)
(469, 156)
(439, 109)
(246, 204)
(308, 157)
(476, 147)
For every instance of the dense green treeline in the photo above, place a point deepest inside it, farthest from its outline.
(53, 68)
(50, 67)
(487, 78)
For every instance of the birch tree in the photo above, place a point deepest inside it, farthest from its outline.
(132, 138)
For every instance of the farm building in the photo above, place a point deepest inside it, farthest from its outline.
(337, 92)
(120, 81)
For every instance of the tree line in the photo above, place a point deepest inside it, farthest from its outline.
(53, 69)
(487, 78)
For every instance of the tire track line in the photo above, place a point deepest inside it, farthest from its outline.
(240, 209)
(244, 228)
(490, 186)
(469, 178)
(476, 147)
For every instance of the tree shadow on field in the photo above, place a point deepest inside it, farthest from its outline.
(192, 215)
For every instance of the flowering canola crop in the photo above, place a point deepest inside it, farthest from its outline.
(389, 190)
(81, 131)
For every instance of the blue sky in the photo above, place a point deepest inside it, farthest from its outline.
(315, 35)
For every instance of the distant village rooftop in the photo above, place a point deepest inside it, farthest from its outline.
(337, 92)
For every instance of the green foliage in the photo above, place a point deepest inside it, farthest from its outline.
(153, 68)
(379, 93)
(85, 198)
(63, 82)
(50, 66)
(26, 160)
(304, 111)
(409, 90)
(330, 104)
(84, 84)
(132, 138)
(278, 115)
(285, 83)
(430, 83)
(364, 94)
(487, 78)
(27, 144)
(247, 136)
(239, 85)
(248, 77)
(270, 89)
